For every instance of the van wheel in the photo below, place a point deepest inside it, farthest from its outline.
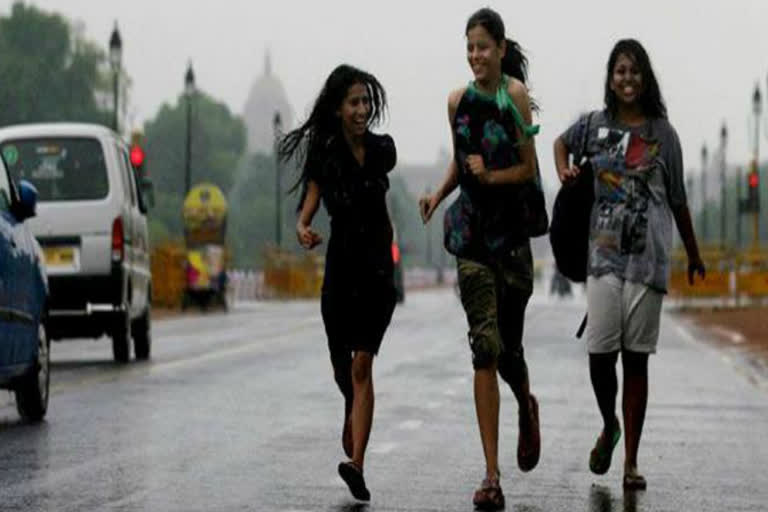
(121, 338)
(32, 391)
(142, 335)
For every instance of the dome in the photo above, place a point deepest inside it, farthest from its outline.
(267, 97)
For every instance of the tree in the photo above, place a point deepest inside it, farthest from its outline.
(49, 72)
(218, 142)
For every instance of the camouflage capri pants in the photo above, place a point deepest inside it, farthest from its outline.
(494, 294)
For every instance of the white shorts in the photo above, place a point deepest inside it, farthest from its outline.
(622, 315)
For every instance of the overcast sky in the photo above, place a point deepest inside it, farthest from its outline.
(707, 55)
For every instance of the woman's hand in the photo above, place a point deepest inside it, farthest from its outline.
(476, 166)
(568, 175)
(695, 266)
(427, 206)
(307, 237)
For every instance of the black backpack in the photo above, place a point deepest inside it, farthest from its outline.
(569, 229)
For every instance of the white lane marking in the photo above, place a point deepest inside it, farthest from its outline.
(735, 337)
(382, 448)
(434, 405)
(410, 425)
(685, 334)
(450, 392)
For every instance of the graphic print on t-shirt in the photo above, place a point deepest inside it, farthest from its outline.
(624, 165)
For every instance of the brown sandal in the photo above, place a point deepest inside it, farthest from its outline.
(634, 482)
(529, 438)
(489, 496)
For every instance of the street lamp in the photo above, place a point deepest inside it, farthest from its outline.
(115, 58)
(189, 92)
(757, 109)
(723, 165)
(704, 158)
(277, 124)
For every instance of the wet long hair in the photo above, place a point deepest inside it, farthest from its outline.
(306, 143)
(651, 101)
(514, 63)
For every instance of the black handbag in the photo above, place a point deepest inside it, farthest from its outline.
(569, 230)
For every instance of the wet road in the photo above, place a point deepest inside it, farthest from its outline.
(239, 412)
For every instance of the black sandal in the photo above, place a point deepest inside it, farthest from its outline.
(353, 477)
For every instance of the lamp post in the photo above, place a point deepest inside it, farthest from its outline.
(277, 126)
(427, 193)
(115, 58)
(704, 158)
(723, 165)
(757, 109)
(189, 92)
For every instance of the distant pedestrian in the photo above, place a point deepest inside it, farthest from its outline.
(346, 165)
(487, 229)
(637, 167)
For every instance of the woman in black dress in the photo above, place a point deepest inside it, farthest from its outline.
(346, 166)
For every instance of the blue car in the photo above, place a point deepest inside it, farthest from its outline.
(24, 346)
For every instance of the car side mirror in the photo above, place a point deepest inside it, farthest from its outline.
(27, 204)
(147, 193)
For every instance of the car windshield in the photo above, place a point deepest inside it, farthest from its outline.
(62, 169)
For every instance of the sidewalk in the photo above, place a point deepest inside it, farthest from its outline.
(740, 334)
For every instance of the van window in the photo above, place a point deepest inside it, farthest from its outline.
(5, 190)
(62, 169)
(126, 172)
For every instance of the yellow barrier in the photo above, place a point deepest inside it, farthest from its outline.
(753, 273)
(717, 282)
(749, 270)
(287, 275)
(168, 276)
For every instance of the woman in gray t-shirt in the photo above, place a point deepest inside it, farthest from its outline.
(639, 190)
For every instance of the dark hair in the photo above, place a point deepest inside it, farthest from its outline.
(304, 143)
(514, 63)
(650, 99)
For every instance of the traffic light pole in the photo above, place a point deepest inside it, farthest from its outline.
(739, 210)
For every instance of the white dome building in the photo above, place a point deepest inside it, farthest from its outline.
(266, 98)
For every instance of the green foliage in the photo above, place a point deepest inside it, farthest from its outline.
(49, 73)
(217, 144)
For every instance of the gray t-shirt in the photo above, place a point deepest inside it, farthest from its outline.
(638, 181)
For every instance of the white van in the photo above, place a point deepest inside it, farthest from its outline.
(91, 223)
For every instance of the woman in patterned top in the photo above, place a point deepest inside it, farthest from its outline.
(346, 166)
(639, 191)
(494, 165)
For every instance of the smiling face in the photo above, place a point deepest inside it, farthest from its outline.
(626, 80)
(484, 54)
(355, 110)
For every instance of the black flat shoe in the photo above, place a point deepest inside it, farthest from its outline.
(353, 477)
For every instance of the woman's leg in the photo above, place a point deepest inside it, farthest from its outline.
(514, 370)
(341, 361)
(362, 404)
(477, 283)
(602, 371)
(604, 337)
(635, 400)
(487, 407)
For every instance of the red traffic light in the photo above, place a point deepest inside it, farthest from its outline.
(137, 156)
(754, 180)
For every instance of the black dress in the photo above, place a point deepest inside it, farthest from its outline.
(358, 295)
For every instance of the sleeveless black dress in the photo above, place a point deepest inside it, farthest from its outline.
(358, 295)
